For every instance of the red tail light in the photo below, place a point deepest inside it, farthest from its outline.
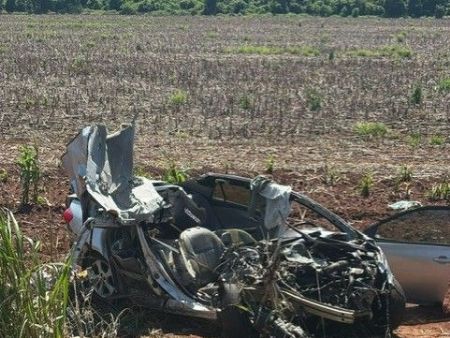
(68, 215)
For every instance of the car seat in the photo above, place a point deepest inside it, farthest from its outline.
(201, 250)
(235, 237)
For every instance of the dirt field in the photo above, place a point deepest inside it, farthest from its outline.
(208, 102)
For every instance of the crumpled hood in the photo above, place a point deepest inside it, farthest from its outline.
(102, 164)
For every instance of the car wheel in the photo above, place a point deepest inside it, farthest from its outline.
(397, 302)
(389, 316)
(100, 276)
(234, 320)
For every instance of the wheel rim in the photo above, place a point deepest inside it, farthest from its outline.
(101, 278)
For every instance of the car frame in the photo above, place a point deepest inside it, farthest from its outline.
(115, 243)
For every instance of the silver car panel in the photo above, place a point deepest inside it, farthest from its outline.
(422, 270)
(421, 266)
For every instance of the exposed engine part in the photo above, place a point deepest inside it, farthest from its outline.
(274, 326)
(326, 278)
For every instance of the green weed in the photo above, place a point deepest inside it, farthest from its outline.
(370, 129)
(3, 175)
(444, 85)
(439, 191)
(178, 97)
(79, 65)
(366, 184)
(332, 55)
(273, 50)
(34, 296)
(392, 51)
(414, 139)
(270, 164)
(174, 174)
(437, 140)
(41, 200)
(400, 37)
(245, 102)
(405, 174)
(416, 96)
(28, 163)
(212, 35)
(314, 99)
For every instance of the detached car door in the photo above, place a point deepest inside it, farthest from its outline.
(417, 246)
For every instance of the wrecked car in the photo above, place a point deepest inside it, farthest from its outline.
(255, 256)
(416, 243)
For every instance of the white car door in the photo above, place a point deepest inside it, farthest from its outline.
(417, 246)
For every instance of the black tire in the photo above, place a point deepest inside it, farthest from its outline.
(234, 321)
(390, 315)
(397, 303)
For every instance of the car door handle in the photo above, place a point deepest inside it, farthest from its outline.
(442, 260)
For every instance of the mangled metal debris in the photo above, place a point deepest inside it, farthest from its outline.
(404, 205)
(223, 247)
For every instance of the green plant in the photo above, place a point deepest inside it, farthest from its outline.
(79, 64)
(366, 184)
(396, 51)
(34, 296)
(28, 163)
(416, 96)
(370, 129)
(404, 174)
(41, 200)
(391, 51)
(400, 37)
(332, 55)
(313, 99)
(3, 175)
(444, 85)
(437, 140)
(439, 191)
(178, 97)
(414, 139)
(245, 102)
(175, 175)
(212, 35)
(330, 175)
(273, 50)
(270, 164)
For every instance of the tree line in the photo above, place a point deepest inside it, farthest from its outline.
(386, 8)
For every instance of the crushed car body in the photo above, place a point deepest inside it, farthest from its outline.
(254, 255)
